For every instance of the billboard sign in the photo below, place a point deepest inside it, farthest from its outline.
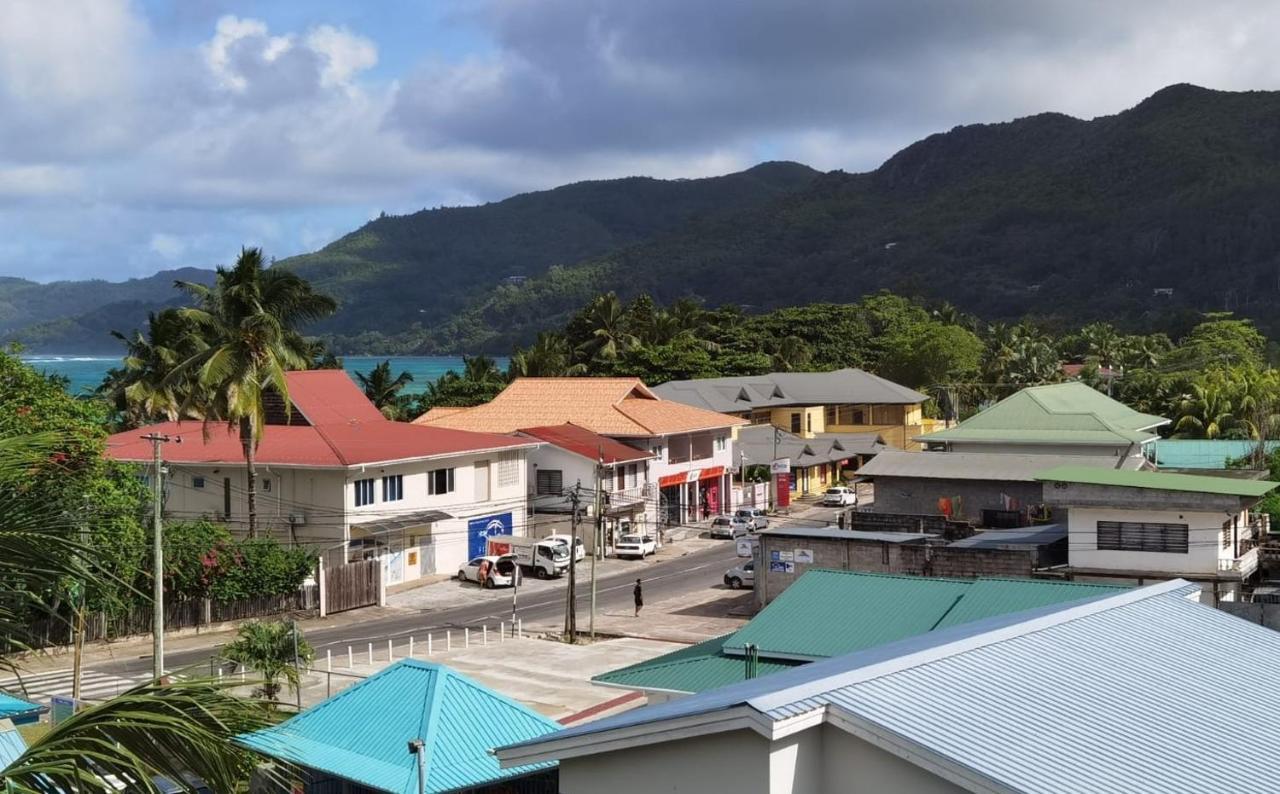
(780, 466)
(480, 529)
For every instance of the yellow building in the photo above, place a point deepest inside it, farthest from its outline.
(814, 404)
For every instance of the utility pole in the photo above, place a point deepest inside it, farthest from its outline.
(157, 545)
(79, 640)
(599, 538)
(297, 690)
(571, 607)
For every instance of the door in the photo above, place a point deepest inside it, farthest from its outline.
(482, 481)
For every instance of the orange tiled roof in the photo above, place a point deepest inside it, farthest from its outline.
(608, 406)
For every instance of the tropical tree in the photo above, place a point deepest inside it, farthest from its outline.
(249, 322)
(383, 390)
(548, 357)
(1213, 408)
(608, 336)
(273, 651)
(792, 354)
(143, 388)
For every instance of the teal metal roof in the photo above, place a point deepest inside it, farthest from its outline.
(694, 669)
(12, 707)
(1157, 480)
(361, 733)
(11, 744)
(1186, 453)
(1059, 413)
(830, 613)
(987, 598)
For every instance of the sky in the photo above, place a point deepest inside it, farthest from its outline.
(143, 135)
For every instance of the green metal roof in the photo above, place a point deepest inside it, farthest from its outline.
(360, 734)
(1157, 480)
(694, 669)
(987, 598)
(1060, 413)
(830, 613)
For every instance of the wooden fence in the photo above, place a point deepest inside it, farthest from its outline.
(351, 586)
(56, 630)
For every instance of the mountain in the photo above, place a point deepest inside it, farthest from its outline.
(1140, 218)
(1048, 215)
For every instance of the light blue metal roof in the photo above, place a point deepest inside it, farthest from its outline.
(1186, 453)
(361, 733)
(11, 744)
(12, 707)
(1123, 693)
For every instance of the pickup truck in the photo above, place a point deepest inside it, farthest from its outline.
(546, 558)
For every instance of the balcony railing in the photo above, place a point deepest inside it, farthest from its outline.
(626, 496)
(1246, 560)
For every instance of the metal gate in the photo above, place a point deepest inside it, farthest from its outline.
(352, 586)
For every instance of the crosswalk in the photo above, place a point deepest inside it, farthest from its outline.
(94, 685)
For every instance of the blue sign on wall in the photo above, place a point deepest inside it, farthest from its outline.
(479, 530)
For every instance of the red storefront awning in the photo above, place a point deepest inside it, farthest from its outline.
(691, 476)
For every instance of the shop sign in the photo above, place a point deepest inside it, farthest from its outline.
(780, 466)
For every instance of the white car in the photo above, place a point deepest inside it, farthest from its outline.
(637, 546)
(840, 496)
(730, 527)
(499, 571)
(740, 576)
(754, 516)
(580, 550)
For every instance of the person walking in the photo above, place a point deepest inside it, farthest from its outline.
(638, 593)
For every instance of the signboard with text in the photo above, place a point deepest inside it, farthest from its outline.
(480, 529)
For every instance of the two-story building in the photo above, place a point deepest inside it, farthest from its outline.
(813, 404)
(690, 450)
(1139, 526)
(337, 476)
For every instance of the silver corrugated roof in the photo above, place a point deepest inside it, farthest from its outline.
(1123, 693)
(979, 465)
(839, 387)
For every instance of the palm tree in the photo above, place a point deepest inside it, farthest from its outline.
(793, 354)
(141, 389)
(548, 357)
(384, 391)
(249, 320)
(1209, 411)
(273, 651)
(609, 337)
(162, 728)
(481, 369)
(1103, 344)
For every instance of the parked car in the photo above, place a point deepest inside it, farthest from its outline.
(840, 496)
(755, 516)
(729, 527)
(739, 576)
(580, 550)
(635, 546)
(501, 571)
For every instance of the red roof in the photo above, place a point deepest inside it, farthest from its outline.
(581, 441)
(344, 431)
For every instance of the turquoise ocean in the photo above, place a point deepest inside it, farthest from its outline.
(84, 373)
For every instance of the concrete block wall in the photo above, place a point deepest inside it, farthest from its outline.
(971, 497)
(908, 522)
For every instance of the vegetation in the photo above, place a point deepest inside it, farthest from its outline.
(203, 560)
(274, 651)
(383, 390)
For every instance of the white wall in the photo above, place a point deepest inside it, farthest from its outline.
(1204, 549)
(853, 766)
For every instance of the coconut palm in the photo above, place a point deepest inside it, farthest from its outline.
(793, 354)
(609, 338)
(249, 320)
(383, 390)
(272, 651)
(548, 357)
(1211, 410)
(141, 388)
(162, 728)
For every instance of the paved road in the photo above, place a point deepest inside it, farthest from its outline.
(694, 571)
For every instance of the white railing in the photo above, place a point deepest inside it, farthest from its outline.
(1244, 565)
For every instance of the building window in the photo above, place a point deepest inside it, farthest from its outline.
(830, 415)
(1141, 536)
(702, 446)
(633, 479)
(550, 482)
(364, 492)
(1226, 534)
(808, 423)
(721, 443)
(439, 481)
(393, 488)
(197, 482)
(795, 423)
(859, 416)
(508, 471)
(266, 485)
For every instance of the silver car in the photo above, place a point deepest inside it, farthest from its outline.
(755, 516)
(740, 576)
(730, 527)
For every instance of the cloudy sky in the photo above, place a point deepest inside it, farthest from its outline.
(139, 135)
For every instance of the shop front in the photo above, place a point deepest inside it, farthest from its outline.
(694, 495)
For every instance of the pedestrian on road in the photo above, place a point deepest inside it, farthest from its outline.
(639, 596)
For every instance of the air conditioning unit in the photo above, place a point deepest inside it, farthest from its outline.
(297, 519)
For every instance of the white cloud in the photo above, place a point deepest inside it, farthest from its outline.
(39, 181)
(345, 53)
(168, 246)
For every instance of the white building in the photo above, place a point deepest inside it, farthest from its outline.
(1144, 525)
(338, 477)
(690, 473)
(1122, 693)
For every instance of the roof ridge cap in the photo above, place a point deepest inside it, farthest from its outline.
(963, 644)
(330, 443)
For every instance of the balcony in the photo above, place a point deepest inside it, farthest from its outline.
(1245, 562)
(624, 497)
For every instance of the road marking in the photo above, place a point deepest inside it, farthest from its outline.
(93, 685)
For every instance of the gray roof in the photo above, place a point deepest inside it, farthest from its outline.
(1014, 538)
(756, 442)
(392, 523)
(835, 533)
(980, 465)
(743, 393)
(1121, 693)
